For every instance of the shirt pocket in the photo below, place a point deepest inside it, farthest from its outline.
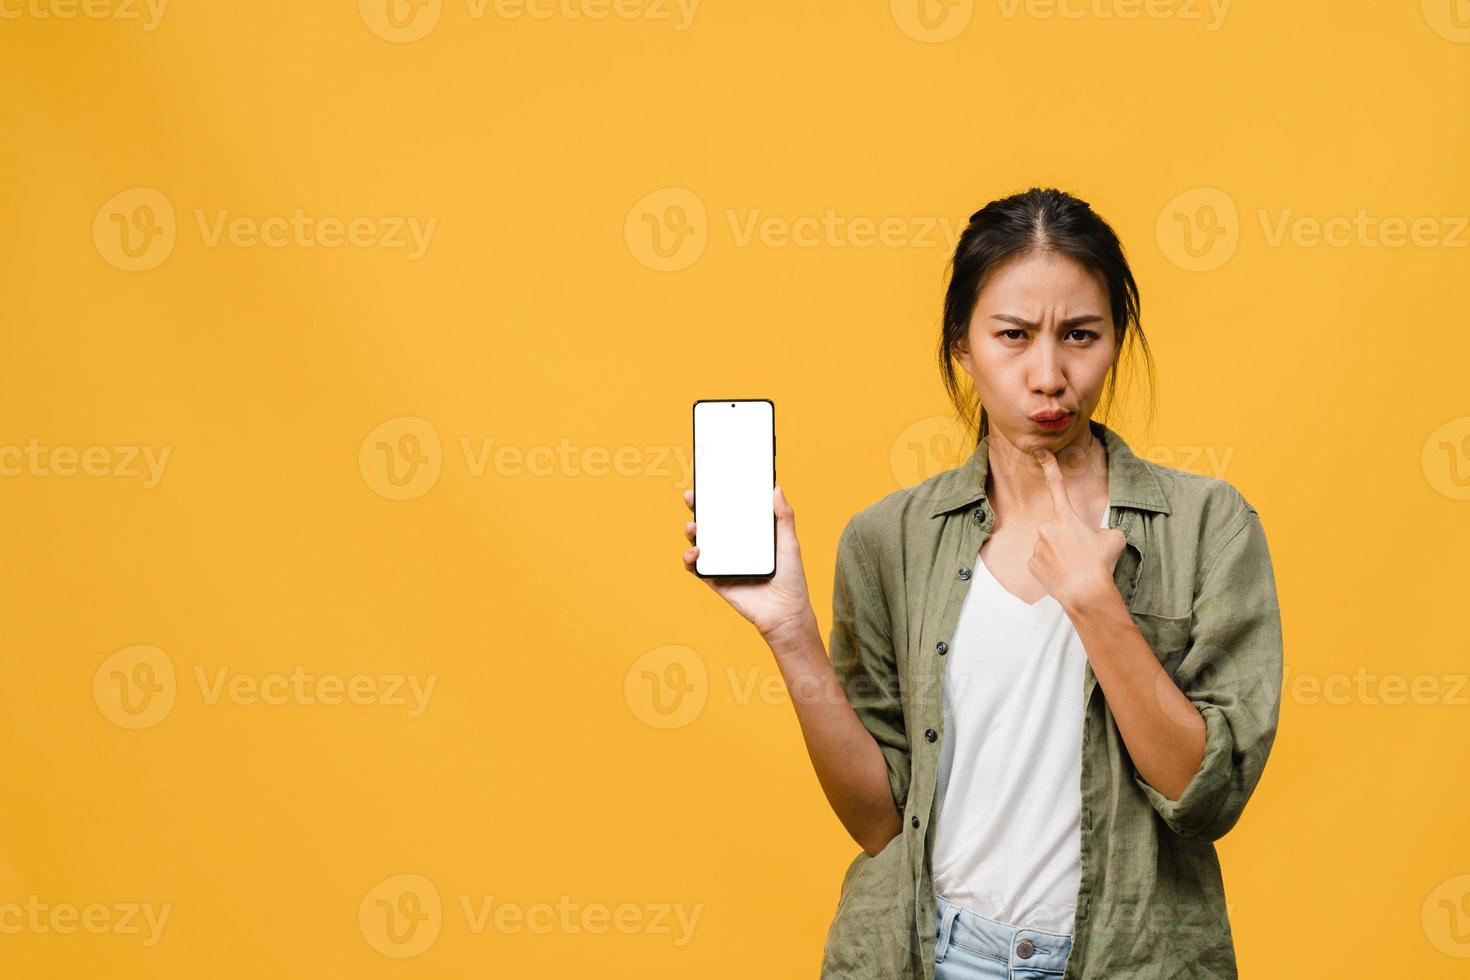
(872, 933)
(1167, 636)
(870, 877)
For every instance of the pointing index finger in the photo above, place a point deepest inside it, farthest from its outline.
(1061, 503)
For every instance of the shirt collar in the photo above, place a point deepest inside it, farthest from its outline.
(1130, 481)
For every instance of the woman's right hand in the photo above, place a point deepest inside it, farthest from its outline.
(778, 604)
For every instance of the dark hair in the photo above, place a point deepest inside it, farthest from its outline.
(1040, 219)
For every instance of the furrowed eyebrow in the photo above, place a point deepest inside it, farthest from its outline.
(1068, 323)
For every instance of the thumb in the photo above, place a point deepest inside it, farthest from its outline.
(784, 513)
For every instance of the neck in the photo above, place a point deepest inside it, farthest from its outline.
(1016, 482)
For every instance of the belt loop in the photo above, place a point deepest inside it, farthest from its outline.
(947, 913)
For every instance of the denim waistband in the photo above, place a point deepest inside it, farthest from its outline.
(1020, 949)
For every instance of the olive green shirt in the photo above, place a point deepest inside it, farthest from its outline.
(1196, 577)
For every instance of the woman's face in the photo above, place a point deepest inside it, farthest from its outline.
(1041, 339)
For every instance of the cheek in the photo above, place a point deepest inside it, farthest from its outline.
(986, 373)
(1087, 366)
(991, 362)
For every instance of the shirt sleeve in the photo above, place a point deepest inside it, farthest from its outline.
(863, 658)
(1232, 674)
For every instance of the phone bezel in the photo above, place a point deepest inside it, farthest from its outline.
(693, 443)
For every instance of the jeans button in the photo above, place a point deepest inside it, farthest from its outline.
(1025, 948)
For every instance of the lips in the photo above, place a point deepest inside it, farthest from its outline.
(1050, 416)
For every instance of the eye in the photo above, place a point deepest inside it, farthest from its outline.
(1015, 330)
(1086, 334)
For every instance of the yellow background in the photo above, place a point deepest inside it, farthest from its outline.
(1327, 382)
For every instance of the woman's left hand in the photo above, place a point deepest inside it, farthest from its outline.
(1073, 561)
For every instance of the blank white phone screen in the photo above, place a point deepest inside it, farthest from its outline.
(734, 476)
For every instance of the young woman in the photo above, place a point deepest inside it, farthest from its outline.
(1055, 670)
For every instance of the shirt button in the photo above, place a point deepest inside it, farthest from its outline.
(964, 571)
(942, 647)
(915, 821)
(1025, 948)
(930, 735)
(979, 515)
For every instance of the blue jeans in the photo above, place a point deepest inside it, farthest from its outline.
(969, 946)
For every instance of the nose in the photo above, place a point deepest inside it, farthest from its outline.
(1047, 377)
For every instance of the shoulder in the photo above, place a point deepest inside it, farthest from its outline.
(1206, 498)
(1209, 511)
(902, 518)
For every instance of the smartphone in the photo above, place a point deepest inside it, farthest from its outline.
(734, 478)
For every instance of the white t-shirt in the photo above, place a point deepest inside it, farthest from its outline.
(1008, 829)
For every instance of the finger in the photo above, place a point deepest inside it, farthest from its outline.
(1061, 503)
(690, 554)
(781, 505)
(786, 537)
(689, 530)
(689, 499)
